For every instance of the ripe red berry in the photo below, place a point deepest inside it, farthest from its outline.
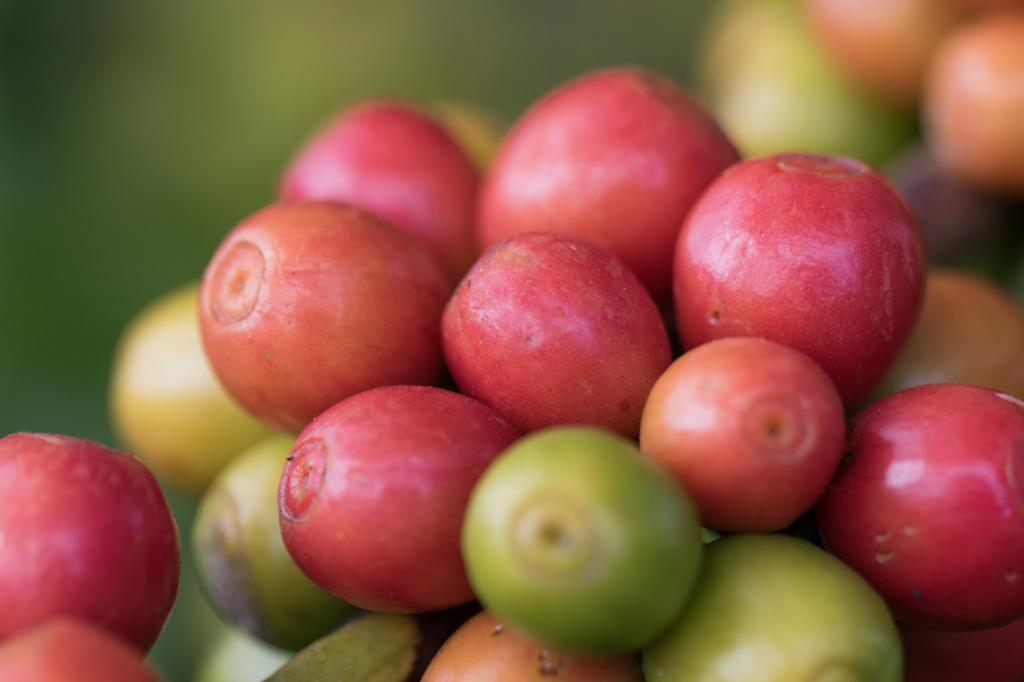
(308, 303)
(84, 532)
(930, 508)
(617, 157)
(817, 253)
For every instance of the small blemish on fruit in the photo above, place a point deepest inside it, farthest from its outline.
(909, 530)
(498, 629)
(304, 476)
(918, 594)
(548, 663)
(715, 317)
(1011, 576)
(884, 557)
(883, 536)
(825, 166)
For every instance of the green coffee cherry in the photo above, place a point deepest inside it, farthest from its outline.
(241, 560)
(579, 540)
(772, 608)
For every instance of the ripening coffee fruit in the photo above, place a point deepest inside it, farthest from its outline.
(307, 303)
(399, 163)
(814, 252)
(751, 429)
(616, 157)
(86, 532)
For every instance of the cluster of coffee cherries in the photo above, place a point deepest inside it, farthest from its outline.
(584, 419)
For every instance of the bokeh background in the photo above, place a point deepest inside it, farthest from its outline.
(135, 133)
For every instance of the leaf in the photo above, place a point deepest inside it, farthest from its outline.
(375, 648)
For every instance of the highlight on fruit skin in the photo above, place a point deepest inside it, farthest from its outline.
(928, 505)
(581, 542)
(65, 649)
(86, 533)
(166, 404)
(241, 561)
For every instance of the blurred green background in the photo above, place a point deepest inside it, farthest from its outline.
(135, 133)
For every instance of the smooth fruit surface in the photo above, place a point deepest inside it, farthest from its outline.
(817, 253)
(166, 404)
(969, 332)
(579, 540)
(484, 649)
(70, 650)
(374, 492)
(771, 608)
(550, 329)
(307, 303)
(930, 507)
(974, 103)
(86, 532)
(752, 430)
(993, 655)
(399, 163)
(617, 157)
(243, 566)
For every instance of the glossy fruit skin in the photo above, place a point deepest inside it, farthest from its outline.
(372, 498)
(969, 332)
(774, 89)
(484, 649)
(580, 541)
(86, 533)
(305, 304)
(243, 566)
(771, 608)
(752, 430)
(816, 253)
(884, 45)
(994, 655)
(615, 156)
(930, 507)
(550, 329)
(70, 650)
(399, 163)
(974, 103)
(166, 404)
